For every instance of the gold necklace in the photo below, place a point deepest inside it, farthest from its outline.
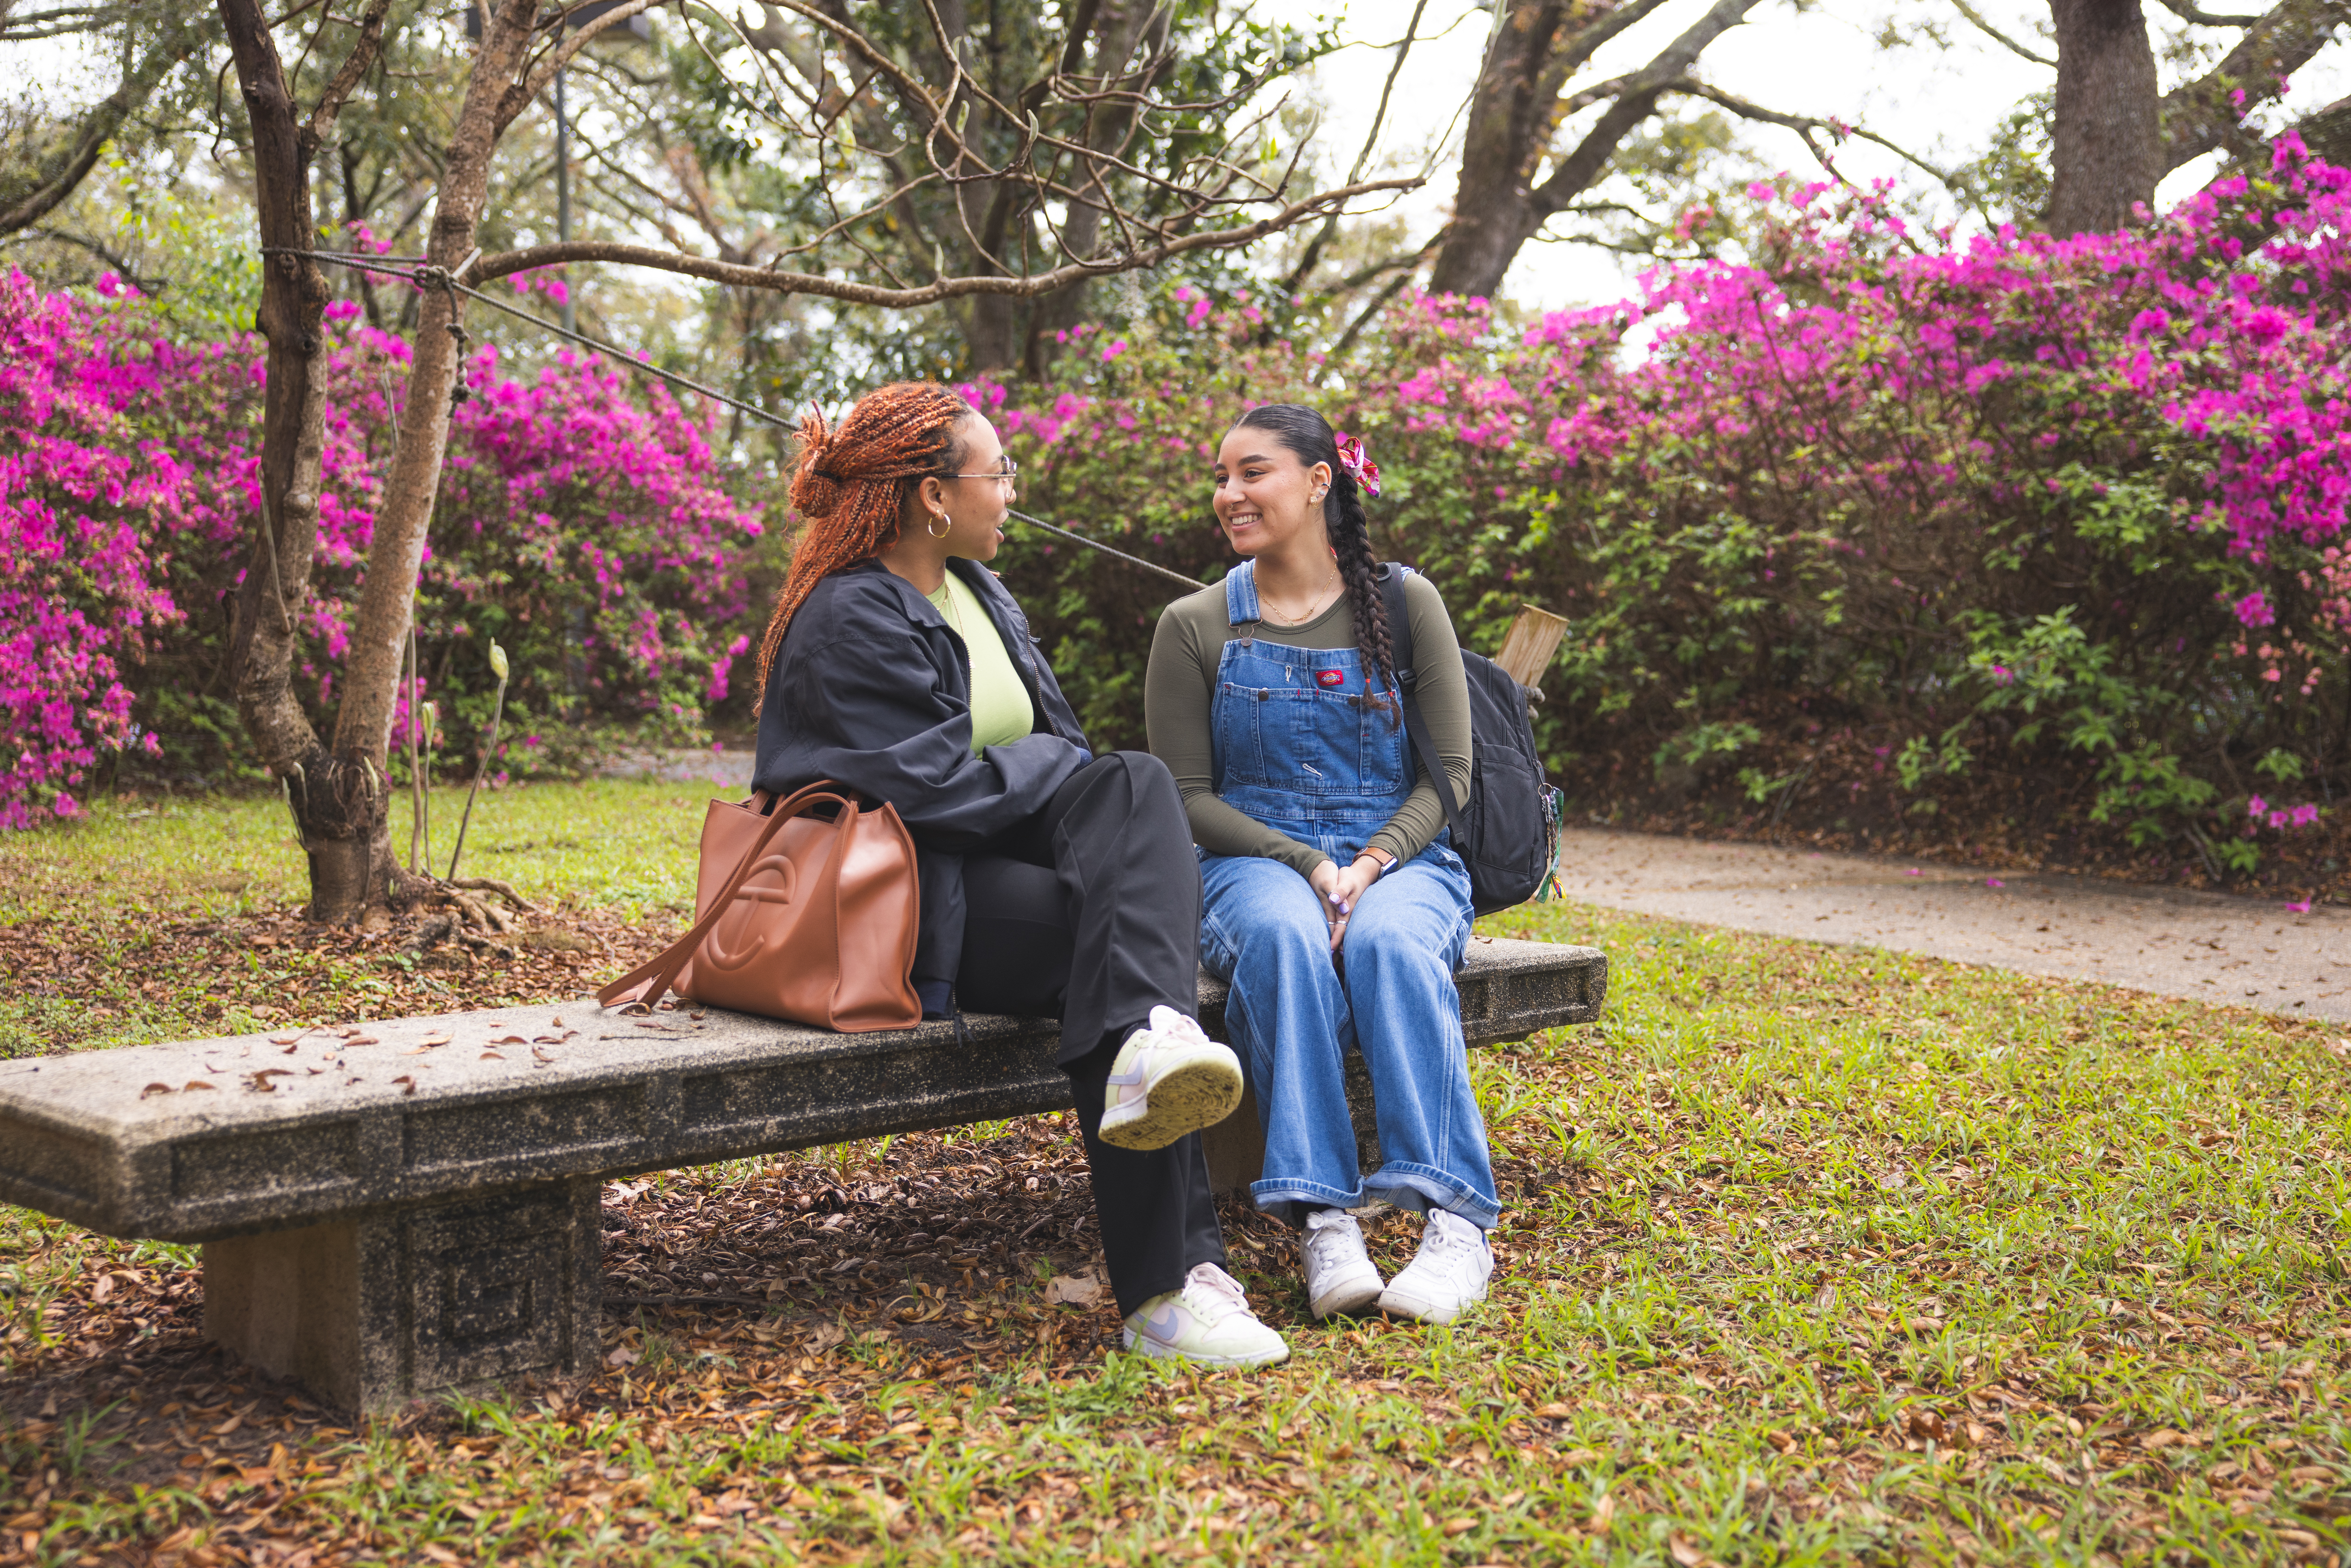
(1265, 602)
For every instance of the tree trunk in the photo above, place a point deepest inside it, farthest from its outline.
(1509, 130)
(371, 670)
(338, 798)
(1517, 109)
(2106, 150)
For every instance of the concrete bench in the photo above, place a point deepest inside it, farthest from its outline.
(412, 1206)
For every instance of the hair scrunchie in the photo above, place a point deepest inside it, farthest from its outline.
(1359, 465)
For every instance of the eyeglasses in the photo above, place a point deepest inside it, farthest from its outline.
(1010, 472)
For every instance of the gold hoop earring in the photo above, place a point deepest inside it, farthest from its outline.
(939, 533)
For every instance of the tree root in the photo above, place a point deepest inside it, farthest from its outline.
(476, 918)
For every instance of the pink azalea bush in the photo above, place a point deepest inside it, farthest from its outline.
(1878, 516)
(582, 522)
(84, 498)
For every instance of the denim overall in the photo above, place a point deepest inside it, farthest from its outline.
(1299, 746)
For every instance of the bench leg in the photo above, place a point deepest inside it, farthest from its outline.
(372, 1312)
(1236, 1145)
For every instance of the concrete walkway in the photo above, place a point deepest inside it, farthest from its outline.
(2243, 952)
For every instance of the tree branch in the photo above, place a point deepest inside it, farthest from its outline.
(506, 263)
(1314, 254)
(1983, 24)
(320, 128)
(55, 177)
(1638, 97)
(1805, 126)
(2187, 12)
(2198, 117)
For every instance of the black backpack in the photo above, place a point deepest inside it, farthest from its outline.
(1507, 832)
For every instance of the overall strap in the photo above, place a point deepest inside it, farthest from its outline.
(1392, 577)
(1240, 594)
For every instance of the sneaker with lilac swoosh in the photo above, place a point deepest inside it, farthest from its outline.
(1207, 1321)
(1169, 1078)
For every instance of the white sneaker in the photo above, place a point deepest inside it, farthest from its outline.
(1340, 1277)
(1208, 1320)
(1169, 1080)
(1448, 1273)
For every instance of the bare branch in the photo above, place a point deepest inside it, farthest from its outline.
(1022, 286)
(569, 42)
(2187, 12)
(320, 128)
(1313, 253)
(1983, 24)
(1805, 126)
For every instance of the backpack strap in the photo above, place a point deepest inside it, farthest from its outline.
(1391, 579)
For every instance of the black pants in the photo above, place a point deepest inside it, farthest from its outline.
(1090, 912)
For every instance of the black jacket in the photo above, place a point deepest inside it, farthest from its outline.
(872, 689)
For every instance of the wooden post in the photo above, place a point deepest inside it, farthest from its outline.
(1533, 639)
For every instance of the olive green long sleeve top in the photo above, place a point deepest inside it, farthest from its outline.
(1179, 695)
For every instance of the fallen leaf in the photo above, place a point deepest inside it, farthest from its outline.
(195, 1083)
(1553, 1412)
(1684, 1551)
(621, 1356)
(403, 1078)
(1461, 1526)
(510, 1039)
(156, 1089)
(1581, 1457)
(491, 1056)
(538, 1055)
(1074, 1291)
(432, 1040)
(825, 1336)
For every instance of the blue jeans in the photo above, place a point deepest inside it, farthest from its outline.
(1294, 1013)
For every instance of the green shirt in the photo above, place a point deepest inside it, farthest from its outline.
(1179, 696)
(1000, 710)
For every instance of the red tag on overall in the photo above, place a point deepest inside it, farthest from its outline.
(1329, 678)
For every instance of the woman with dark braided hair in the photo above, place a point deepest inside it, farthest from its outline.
(1054, 881)
(1333, 899)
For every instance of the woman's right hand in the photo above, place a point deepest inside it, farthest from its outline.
(1324, 879)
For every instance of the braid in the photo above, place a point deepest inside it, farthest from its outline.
(1351, 542)
(1311, 439)
(850, 486)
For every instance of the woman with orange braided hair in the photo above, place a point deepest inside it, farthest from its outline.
(1054, 881)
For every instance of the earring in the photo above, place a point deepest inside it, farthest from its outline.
(939, 533)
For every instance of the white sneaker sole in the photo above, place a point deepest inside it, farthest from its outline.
(1425, 1312)
(1160, 1350)
(1344, 1297)
(1193, 1094)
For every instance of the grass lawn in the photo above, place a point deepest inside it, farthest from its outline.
(1811, 1255)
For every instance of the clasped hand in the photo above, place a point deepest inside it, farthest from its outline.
(1339, 890)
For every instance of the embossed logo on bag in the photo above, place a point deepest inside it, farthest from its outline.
(1329, 678)
(773, 881)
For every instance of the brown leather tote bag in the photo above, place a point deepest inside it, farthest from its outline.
(797, 916)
